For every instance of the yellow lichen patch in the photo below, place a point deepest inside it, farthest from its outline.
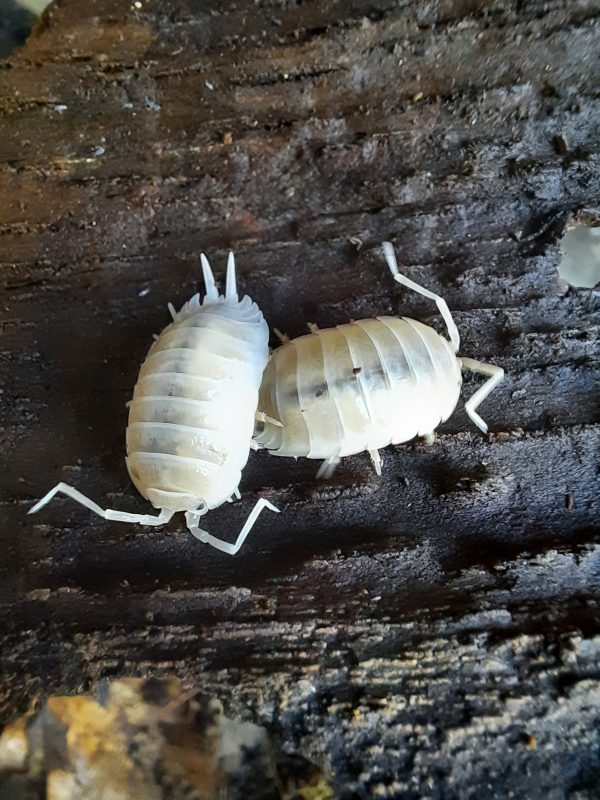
(319, 790)
(62, 785)
(147, 739)
(14, 747)
(97, 748)
(100, 737)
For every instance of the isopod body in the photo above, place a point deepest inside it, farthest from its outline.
(193, 411)
(364, 385)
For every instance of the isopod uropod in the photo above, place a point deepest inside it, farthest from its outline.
(193, 410)
(365, 384)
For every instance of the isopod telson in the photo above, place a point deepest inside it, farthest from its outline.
(365, 384)
(193, 410)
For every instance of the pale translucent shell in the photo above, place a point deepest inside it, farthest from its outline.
(192, 415)
(359, 386)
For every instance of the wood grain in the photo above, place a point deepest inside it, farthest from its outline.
(430, 634)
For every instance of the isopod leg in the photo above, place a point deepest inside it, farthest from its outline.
(453, 333)
(108, 513)
(327, 468)
(283, 337)
(193, 517)
(376, 459)
(235, 496)
(429, 439)
(496, 375)
(260, 416)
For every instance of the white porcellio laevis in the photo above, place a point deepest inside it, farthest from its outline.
(364, 385)
(193, 412)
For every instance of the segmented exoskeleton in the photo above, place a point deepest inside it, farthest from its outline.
(193, 411)
(365, 385)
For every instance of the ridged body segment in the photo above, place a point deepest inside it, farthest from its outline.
(359, 386)
(192, 414)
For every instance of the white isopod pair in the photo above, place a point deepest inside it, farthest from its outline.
(326, 395)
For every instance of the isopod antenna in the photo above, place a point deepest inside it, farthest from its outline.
(496, 374)
(453, 333)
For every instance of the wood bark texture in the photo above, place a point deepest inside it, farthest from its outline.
(429, 634)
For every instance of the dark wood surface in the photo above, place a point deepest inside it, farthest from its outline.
(15, 26)
(430, 634)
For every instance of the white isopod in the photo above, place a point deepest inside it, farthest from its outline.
(365, 385)
(193, 412)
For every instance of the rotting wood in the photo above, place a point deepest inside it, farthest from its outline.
(432, 634)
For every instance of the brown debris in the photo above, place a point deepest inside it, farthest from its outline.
(139, 739)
